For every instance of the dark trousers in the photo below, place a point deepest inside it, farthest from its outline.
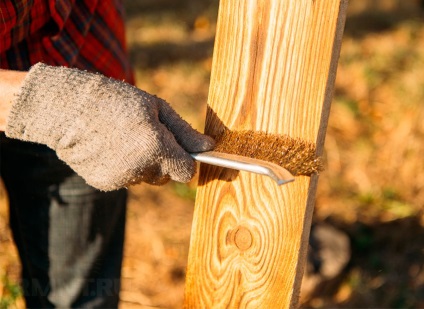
(69, 235)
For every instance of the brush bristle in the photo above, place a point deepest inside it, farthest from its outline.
(295, 155)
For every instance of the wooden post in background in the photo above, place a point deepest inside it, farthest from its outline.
(273, 70)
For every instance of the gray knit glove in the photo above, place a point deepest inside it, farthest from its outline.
(111, 133)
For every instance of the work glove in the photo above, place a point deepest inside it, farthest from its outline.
(109, 132)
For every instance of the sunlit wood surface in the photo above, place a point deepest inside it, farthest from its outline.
(273, 70)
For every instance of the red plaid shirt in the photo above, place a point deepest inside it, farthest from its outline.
(85, 34)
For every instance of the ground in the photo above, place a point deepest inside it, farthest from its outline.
(373, 186)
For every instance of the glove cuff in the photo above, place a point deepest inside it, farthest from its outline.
(46, 104)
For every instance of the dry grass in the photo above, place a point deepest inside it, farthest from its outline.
(373, 186)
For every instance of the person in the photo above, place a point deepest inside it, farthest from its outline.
(77, 133)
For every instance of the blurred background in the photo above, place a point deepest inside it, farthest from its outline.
(372, 192)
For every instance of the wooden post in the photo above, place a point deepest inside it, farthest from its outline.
(273, 70)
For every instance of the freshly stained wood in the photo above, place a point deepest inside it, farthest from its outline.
(273, 70)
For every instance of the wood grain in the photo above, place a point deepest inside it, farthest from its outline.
(273, 70)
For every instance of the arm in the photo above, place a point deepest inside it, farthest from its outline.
(10, 82)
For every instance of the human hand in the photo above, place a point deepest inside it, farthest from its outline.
(111, 133)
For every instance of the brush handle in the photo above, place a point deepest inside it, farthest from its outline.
(276, 172)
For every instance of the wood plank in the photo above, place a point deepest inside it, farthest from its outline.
(273, 70)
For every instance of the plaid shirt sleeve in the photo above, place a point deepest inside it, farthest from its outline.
(85, 34)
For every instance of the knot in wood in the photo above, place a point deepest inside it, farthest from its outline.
(243, 238)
